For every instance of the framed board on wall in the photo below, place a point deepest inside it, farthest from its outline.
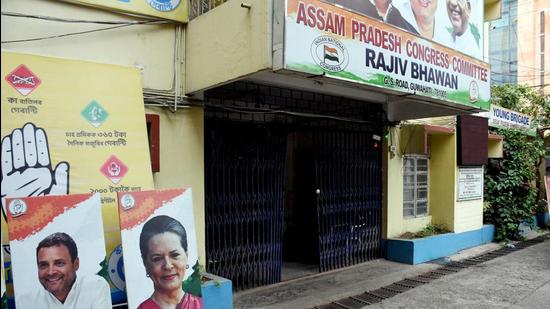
(470, 183)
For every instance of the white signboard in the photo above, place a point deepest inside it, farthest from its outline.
(470, 183)
(343, 42)
(503, 118)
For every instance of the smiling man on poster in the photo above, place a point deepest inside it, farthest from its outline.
(463, 36)
(57, 261)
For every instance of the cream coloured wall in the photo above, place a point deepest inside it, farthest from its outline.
(150, 47)
(415, 224)
(227, 43)
(182, 159)
(495, 148)
(392, 212)
(530, 65)
(468, 215)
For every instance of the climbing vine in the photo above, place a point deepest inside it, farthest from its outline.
(509, 184)
(512, 183)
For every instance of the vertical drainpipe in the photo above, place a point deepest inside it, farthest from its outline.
(542, 48)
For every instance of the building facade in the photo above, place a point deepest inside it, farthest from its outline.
(284, 116)
(533, 56)
(518, 42)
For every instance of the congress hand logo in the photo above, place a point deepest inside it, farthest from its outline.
(27, 168)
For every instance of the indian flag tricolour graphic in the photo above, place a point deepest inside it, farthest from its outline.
(331, 53)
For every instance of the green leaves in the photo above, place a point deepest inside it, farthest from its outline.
(509, 189)
(431, 229)
(524, 99)
(103, 271)
(192, 284)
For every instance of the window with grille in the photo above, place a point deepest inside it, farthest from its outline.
(415, 186)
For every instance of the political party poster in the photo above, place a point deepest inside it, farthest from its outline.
(69, 127)
(58, 251)
(176, 10)
(160, 248)
(3, 300)
(457, 24)
(334, 40)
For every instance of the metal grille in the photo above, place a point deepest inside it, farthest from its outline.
(199, 7)
(244, 202)
(415, 186)
(246, 128)
(348, 174)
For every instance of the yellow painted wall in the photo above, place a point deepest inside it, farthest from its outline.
(150, 48)
(408, 140)
(412, 139)
(444, 121)
(182, 159)
(442, 179)
(137, 45)
(227, 43)
(495, 148)
(493, 9)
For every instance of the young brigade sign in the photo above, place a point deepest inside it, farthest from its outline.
(321, 38)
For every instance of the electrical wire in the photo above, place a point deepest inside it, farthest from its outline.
(512, 74)
(510, 62)
(84, 21)
(255, 110)
(63, 35)
(118, 24)
(494, 79)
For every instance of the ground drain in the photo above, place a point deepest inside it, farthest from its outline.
(376, 296)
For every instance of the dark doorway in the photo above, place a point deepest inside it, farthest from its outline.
(268, 151)
(300, 235)
(348, 177)
(333, 200)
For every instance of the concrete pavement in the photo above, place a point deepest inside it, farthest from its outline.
(518, 280)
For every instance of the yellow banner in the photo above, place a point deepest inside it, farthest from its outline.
(74, 127)
(166, 9)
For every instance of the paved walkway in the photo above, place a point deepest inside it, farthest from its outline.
(519, 279)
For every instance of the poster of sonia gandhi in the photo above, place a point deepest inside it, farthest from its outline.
(160, 249)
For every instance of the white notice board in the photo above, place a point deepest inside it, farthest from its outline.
(470, 183)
